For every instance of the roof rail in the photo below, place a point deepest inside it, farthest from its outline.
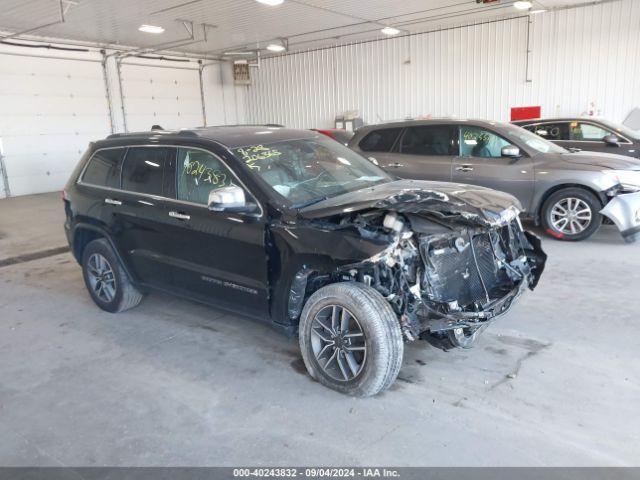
(184, 133)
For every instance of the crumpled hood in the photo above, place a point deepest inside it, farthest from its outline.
(477, 205)
(604, 160)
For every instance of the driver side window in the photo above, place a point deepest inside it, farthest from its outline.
(198, 173)
(478, 142)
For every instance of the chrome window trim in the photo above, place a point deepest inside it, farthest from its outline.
(161, 197)
(626, 140)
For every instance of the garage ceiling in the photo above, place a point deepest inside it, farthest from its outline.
(210, 27)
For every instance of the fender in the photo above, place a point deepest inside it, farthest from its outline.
(105, 234)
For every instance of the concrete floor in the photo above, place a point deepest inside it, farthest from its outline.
(557, 382)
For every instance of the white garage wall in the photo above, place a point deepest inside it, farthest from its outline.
(53, 104)
(50, 108)
(578, 56)
(166, 95)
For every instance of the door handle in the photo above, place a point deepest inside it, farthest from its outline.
(111, 201)
(179, 216)
(395, 165)
(465, 168)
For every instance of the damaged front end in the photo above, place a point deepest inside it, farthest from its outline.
(448, 270)
(624, 211)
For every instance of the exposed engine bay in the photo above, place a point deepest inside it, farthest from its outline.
(444, 274)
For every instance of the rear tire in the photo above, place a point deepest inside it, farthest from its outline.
(350, 339)
(106, 280)
(571, 214)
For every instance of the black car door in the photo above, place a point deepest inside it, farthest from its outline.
(217, 257)
(139, 212)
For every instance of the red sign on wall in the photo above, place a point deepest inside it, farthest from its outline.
(525, 113)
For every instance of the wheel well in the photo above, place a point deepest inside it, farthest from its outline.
(81, 239)
(557, 188)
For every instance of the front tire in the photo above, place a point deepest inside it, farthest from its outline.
(106, 280)
(571, 214)
(350, 339)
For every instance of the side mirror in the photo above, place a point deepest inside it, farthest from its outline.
(611, 140)
(229, 199)
(510, 151)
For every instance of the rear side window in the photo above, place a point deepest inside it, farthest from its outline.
(428, 140)
(144, 168)
(380, 140)
(104, 168)
(551, 131)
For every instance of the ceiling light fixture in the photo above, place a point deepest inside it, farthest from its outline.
(271, 3)
(274, 47)
(535, 12)
(239, 53)
(151, 29)
(523, 5)
(390, 31)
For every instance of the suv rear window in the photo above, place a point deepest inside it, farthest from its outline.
(144, 167)
(380, 140)
(104, 168)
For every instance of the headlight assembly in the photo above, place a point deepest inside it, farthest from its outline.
(629, 179)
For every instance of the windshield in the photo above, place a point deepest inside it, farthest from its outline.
(532, 140)
(309, 170)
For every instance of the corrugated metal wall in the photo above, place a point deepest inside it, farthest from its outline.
(577, 56)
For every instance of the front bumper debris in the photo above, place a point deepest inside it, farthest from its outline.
(624, 211)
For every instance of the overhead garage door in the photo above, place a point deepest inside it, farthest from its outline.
(165, 96)
(50, 110)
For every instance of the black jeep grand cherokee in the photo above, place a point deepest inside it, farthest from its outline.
(294, 228)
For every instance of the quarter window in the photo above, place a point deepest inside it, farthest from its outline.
(199, 173)
(380, 140)
(478, 142)
(104, 168)
(144, 167)
(430, 140)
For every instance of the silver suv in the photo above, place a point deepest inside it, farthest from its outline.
(567, 192)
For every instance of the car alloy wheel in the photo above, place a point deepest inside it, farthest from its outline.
(338, 343)
(571, 216)
(101, 277)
